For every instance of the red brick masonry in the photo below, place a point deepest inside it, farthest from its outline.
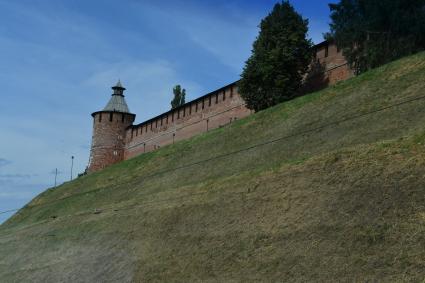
(116, 139)
(108, 141)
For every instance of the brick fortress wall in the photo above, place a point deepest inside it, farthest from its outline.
(329, 66)
(115, 138)
(223, 106)
(208, 112)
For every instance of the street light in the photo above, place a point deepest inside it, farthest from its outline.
(72, 165)
(56, 175)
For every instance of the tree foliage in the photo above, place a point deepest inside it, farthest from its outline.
(280, 57)
(179, 97)
(372, 33)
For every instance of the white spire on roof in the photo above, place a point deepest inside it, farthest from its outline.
(119, 83)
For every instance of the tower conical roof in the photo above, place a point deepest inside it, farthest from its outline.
(117, 102)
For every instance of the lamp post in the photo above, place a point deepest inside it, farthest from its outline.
(56, 175)
(72, 165)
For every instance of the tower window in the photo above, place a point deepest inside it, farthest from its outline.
(203, 103)
(156, 124)
(100, 117)
(231, 91)
(178, 113)
(184, 111)
(209, 101)
(122, 118)
(146, 128)
(111, 116)
(151, 126)
(196, 107)
(224, 95)
(326, 51)
(162, 118)
(172, 117)
(190, 109)
(216, 98)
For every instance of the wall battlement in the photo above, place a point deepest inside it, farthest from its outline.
(208, 112)
(115, 138)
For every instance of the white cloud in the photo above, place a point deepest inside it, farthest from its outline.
(16, 176)
(223, 45)
(149, 85)
(4, 162)
(16, 195)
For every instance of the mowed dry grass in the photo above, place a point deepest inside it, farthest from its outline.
(343, 203)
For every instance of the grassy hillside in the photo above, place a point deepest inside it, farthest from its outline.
(342, 202)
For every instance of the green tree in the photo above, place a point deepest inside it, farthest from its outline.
(372, 33)
(280, 58)
(179, 97)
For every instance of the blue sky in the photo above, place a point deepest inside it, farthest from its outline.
(60, 58)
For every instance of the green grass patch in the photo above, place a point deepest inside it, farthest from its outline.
(343, 202)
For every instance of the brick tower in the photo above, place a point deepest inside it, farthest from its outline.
(109, 127)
